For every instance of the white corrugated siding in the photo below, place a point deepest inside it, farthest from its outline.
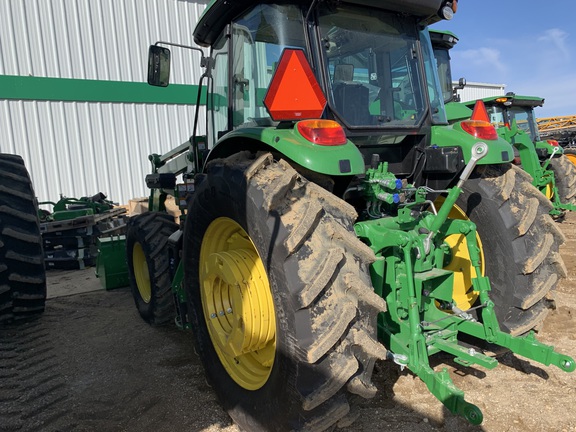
(81, 148)
(475, 90)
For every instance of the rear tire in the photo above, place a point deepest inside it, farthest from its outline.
(570, 153)
(520, 242)
(149, 267)
(565, 176)
(323, 347)
(22, 271)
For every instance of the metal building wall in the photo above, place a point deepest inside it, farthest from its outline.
(476, 90)
(79, 148)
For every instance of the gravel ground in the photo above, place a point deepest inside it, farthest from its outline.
(91, 364)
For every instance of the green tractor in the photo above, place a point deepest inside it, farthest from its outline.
(553, 172)
(22, 271)
(322, 229)
(513, 116)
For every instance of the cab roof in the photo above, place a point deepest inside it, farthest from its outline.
(443, 38)
(219, 13)
(511, 99)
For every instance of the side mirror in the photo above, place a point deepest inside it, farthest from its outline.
(158, 66)
(461, 83)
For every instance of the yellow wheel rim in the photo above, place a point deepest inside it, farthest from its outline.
(141, 273)
(549, 192)
(237, 303)
(571, 157)
(463, 294)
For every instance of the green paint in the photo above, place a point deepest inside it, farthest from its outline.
(318, 158)
(499, 151)
(81, 90)
(457, 111)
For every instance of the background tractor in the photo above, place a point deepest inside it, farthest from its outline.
(553, 173)
(332, 217)
(22, 273)
(513, 116)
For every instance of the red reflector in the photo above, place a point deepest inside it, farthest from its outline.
(480, 112)
(553, 143)
(322, 132)
(294, 92)
(480, 129)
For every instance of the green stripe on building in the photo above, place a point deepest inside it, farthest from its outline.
(80, 90)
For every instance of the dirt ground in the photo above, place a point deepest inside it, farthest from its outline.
(91, 364)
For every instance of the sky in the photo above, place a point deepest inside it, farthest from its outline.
(530, 46)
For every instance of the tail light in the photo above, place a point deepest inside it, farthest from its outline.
(480, 129)
(322, 132)
(553, 143)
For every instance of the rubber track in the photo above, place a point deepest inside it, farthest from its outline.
(565, 176)
(536, 264)
(22, 273)
(331, 285)
(155, 228)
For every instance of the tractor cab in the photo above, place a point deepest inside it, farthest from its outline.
(442, 42)
(373, 64)
(505, 111)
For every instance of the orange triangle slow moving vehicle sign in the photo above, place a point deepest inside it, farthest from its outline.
(294, 92)
(480, 112)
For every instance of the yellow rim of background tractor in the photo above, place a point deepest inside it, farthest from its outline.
(237, 303)
(463, 295)
(571, 157)
(549, 191)
(141, 272)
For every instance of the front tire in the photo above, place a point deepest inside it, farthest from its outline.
(262, 244)
(520, 243)
(22, 271)
(149, 267)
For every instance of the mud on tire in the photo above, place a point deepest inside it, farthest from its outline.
(148, 265)
(325, 307)
(520, 242)
(22, 272)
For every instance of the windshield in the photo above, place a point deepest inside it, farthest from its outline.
(497, 116)
(444, 73)
(524, 121)
(432, 80)
(373, 66)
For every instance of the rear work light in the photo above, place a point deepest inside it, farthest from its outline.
(322, 132)
(480, 129)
